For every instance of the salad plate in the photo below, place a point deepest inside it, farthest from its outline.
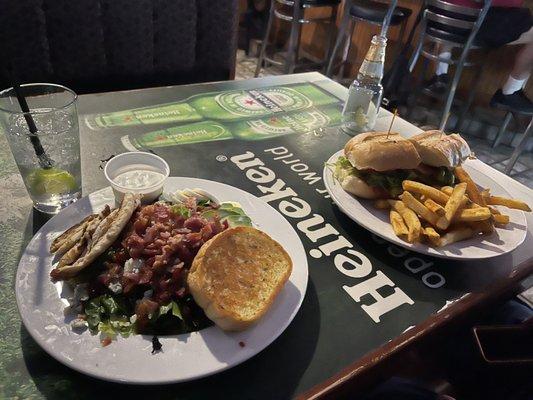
(363, 212)
(183, 357)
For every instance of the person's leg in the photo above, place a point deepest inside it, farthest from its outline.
(522, 68)
(439, 81)
(511, 95)
(445, 52)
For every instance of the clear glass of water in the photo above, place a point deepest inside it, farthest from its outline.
(48, 159)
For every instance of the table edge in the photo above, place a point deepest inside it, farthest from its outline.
(435, 321)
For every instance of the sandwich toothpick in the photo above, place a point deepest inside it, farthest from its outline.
(444, 125)
(392, 121)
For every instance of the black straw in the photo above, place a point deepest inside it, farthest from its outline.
(44, 160)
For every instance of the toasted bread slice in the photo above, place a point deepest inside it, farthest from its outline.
(236, 276)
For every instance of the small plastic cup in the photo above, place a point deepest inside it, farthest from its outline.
(136, 161)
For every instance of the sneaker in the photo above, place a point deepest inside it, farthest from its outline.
(516, 101)
(437, 84)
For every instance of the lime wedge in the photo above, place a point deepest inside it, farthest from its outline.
(50, 181)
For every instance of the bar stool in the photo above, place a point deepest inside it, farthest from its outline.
(519, 148)
(297, 20)
(505, 123)
(523, 140)
(455, 26)
(371, 12)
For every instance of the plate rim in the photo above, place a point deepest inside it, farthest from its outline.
(418, 247)
(102, 376)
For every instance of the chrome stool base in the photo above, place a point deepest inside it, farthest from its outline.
(297, 20)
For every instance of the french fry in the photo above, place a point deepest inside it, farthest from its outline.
(435, 207)
(448, 190)
(410, 218)
(501, 219)
(431, 234)
(455, 235)
(510, 203)
(498, 217)
(398, 225)
(494, 210)
(410, 201)
(473, 214)
(452, 206)
(474, 194)
(471, 188)
(381, 204)
(425, 190)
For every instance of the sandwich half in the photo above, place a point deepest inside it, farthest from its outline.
(440, 154)
(375, 164)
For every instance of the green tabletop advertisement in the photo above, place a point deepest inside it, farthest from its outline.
(362, 293)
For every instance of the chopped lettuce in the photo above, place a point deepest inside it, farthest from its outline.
(115, 326)
(343, 168)
(445, 177)
(238, 220)
(231, 212)
(181, 209)
(108, 315)
(204, 202)
(391, 181)
(171, 307)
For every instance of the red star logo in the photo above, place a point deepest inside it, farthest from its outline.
(249, 102)
(128, 118)
(160, 137)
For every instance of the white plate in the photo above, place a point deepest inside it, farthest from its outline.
(502, 241)
(129, 360)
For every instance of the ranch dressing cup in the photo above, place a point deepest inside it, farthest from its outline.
(137, 172)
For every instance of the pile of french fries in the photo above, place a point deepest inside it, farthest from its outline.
(446, 215)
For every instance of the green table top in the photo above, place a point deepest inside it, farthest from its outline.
(333, 329)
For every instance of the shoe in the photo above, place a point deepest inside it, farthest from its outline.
(437, 84)
(516, 101)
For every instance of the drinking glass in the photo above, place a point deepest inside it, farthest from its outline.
(48, 155)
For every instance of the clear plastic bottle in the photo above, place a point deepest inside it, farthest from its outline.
(364, 96)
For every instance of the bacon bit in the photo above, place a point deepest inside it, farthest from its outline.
(167, 243)
(106, 341)
(242, 344)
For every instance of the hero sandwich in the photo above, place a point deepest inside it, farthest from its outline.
(375, 164)
(440, 154)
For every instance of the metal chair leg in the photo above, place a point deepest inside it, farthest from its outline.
(292, 48)
(331, 38)
(473, 89)
(452, 87)
(418, 86)
(503, 128)
(346, 50)
(340, 38)
(388, 17)
(265, 41)
(398, 48)
(297, 50)
(519, 148)
(418, 47)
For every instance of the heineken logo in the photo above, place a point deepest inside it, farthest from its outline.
(266, 102)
